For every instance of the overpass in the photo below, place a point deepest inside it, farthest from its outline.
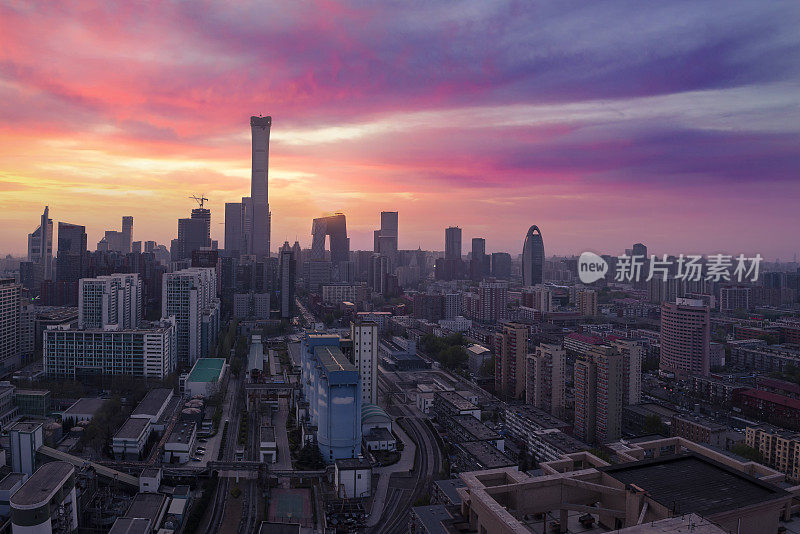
(102, 470)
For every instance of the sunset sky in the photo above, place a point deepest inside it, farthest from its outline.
(605, 123)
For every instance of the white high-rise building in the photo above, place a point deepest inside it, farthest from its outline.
(149, 352)
(190, 296)
(258, 231)
(113, 300)
(9, 324)
(365, 357)
(539, 298)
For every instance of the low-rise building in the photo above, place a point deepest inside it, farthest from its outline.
(32, 402)
(47, 501)
(779, 448)
(479, 456)
(267, 446)
(379, 439)
(82, 410)
(181, 442)
(353, 478)
(206, 377)
(704, 430)
(449, 403)
(130, 440)
(8, 487)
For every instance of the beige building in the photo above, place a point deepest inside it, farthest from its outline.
(511, 350)
(586, 302)
(656, 481)
(544, 378)
(779, 448)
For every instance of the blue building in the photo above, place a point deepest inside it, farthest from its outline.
(331, 386)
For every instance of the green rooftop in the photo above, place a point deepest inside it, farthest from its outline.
(206, 370)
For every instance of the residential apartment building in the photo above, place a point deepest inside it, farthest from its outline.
(544, 379)
(511, 350)
(364, 335)
(338, 293)
(586, 302)
(190, 296)
(537, 297)
(9, 324)
(113, 300)
(779, 448)
(685, 337)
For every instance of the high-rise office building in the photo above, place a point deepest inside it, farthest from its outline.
(544, 378)
(40, 248)
(533, 257)
(479, 263)
(452, 243)
(190, 296)
(365, 357)
(234, 236)
(258, 229)
(192, 235)
(685, 337)
(501, 265)
(118, 241)
(510, 352)
(334, 228)
(288, 271)
(9, 324)
(72, 261)
(111, 300)
(136, 247)
(386, 237)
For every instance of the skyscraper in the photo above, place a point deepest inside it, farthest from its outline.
(117, 241)
(335, 228)
(479, 264)
(533, 257)
(452, 243)
(685, 337)
(258, 231)
(194, 233)
(233, 229)
(386, 237)
(288, 270)
(40, 247)
(71, 257)
(127, 233)
(365, 357)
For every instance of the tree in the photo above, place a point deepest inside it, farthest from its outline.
(747, 452)
(310, 458)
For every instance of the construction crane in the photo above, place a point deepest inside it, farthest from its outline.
(199, 199)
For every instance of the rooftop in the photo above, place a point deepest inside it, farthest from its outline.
(25, 426)
(267, 433)
(431, 517)
(153, 402)
(130, 525)
(353, 463)
(332, 359)
(475, 428)
(772, 397)
(279, 528)
(181, 433)
(206, 370)
(690, 483)
(84, 406)
(485, 454)
(373, 410)
(379, 434)
(150, 472)
(42, 485)
(32, 392)
(11, 480)
(453, 398)
(133, 428)
(146, 505)
(535, 415)
(448, 487)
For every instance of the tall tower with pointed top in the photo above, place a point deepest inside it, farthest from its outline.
(258, 231)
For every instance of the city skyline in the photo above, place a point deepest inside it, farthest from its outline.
(687, 122)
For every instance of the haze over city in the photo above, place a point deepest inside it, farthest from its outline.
(605, 125)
